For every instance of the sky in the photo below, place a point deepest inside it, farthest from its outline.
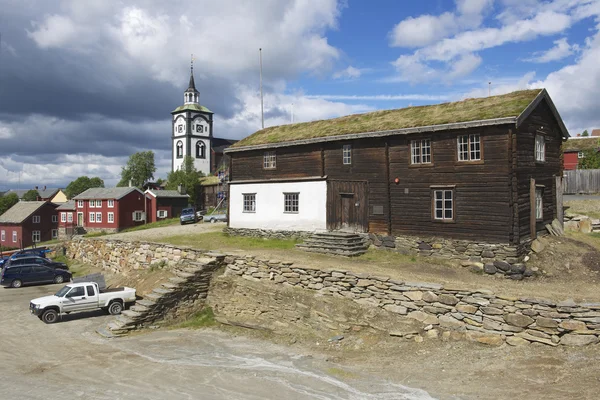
(86, 83)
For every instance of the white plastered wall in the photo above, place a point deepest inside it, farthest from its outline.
(312, 215)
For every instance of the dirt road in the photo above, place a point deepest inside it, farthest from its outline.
(154, 234)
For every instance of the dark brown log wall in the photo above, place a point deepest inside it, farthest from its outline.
(541, 121)
(292, 162)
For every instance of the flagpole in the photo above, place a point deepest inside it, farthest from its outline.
(262, 110)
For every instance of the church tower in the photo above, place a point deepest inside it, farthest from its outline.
(192, 126)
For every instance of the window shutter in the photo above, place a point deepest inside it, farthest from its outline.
(133, 216)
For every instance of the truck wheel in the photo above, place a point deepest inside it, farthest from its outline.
(212, 220)
(59, 279)
(115, 308)
(16, 283)
(50, 316)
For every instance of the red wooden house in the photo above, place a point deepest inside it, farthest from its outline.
(575, 148)
(28, 222)
(66, 219)
(165, 204)
(109, 209)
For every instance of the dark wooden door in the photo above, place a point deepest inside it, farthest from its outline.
(348, 216)
(347, 205)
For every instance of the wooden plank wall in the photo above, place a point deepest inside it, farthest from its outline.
(541, 121)
(582, 181)
(292, 162)
(334, 205)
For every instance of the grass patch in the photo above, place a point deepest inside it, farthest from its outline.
(201, 319)
(220, 240)
(95, 234)
(157, 224)
(391, 257)
(78, 269)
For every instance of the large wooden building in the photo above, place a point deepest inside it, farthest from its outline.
(479, 169)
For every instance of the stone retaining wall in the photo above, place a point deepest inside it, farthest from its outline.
(266, 233)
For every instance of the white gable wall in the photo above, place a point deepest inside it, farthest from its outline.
(312, 215)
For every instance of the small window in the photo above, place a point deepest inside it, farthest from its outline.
(420, 151)
(443, 204)
(138, 216)
(80, 203)
(269, 160)
(14, 236)
(98, 203)
(63, 217)
(291, 202)
(580, 154)
(90, 291)
(36, 219)
(539, 204)
(110, 203)
(180, 149)
(54, 233)
(69, 217)
(3, 236)
(161, 213)
(92, 217)
(540, 148)
(92, 203)
(469, 148)
(36, 236)
(111, 217)
(249, 202)
(200, 149)
(98, 217)
(55, 218)
(347, 154)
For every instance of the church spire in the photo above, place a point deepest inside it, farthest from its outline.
(192, 85)
(191, 95)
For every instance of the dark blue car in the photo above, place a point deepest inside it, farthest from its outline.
(18, 276)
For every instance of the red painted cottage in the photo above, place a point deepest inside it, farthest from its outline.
(574, 149)
(28, 222)
(67, 216)
(165, 204)
(109, 209)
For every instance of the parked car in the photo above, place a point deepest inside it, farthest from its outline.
(188, 215)
(212, 218)
(35, 260)
(18, 276)
(83, 296)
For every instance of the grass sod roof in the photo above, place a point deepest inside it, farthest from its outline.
(476, 109)
(589, 143)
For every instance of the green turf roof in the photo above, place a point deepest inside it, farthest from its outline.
(486, 108)
(581, 144)
(191, 107)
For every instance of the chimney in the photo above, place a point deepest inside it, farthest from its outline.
(180, 189)
(130, 183)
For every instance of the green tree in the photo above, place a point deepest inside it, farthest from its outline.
(30, 195)
(139, 169)
(188, 177)
(590, 160)
(82, 184)
(585, 133)
(7, 201)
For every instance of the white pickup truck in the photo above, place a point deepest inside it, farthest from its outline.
(83, 296)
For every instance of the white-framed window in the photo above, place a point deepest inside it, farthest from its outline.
(249, 202)
(580, 154)
(269, 160)
(92, 217)
(420, 151)
(443, 204)
(179, 147)
(92, 203)
(98, 203)
(70, 217)
(3, 236)
(110, 217)
(138, 215)
(200, 149)
(36, 236)
(539, 203)
(110, 203)
(55, 218)
(347, 154)
(161, 213)
(291, 202)
(540, 148)
(36, 219)
(54, 233)
(98, 217)
(14, 236)
(79, 203)
(469, 147)
(63, 217)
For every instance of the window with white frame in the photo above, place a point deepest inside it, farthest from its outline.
(580, 154)
(347, 154)
(54, 233)
(79, 203)
(110, 217)
(539, 203)
(420, 151)
(3, 236)
(540, 148)
(138, 215)
(63, 217)
(291, 202)
(161, 213)
(92, 203)
(443, 204)
(249, 202)
(92, 217)
(14, 236)
(469, 147)
(55, 218)
(111, 203)
(69, 217)
(98, 217)
(36, 236)
(36, 219)
(269, 160)
(98, 203)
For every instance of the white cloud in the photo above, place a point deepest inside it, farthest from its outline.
(561, 49)
(55, 31)
(348, 73)
(463, 66)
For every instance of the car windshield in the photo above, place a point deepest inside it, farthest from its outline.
(63, 291)
(187, 211)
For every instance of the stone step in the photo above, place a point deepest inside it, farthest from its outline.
(124, 320)
(177, 280)
(117, 329)
(201, 262)
(161, 291)
(336, 234)
(170, 285)
(316, 242)
(110, 334)
(184, 275)
(154, 297)
(335, 252)
(140, 309)
(132, 314)
(145, 303)
(332, 248)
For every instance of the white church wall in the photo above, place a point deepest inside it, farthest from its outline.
(269, 214)
(202, 165)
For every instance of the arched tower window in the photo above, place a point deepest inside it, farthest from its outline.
(179, 149)
(200, 149)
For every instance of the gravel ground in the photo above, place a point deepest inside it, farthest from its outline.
(155, 234)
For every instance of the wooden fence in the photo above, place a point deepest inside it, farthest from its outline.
(582, 181)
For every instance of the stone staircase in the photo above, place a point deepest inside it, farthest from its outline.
(173, 298)
(336, 243)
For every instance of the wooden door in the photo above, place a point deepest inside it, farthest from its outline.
(347, 206)
(348, 219)
(79, 219)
